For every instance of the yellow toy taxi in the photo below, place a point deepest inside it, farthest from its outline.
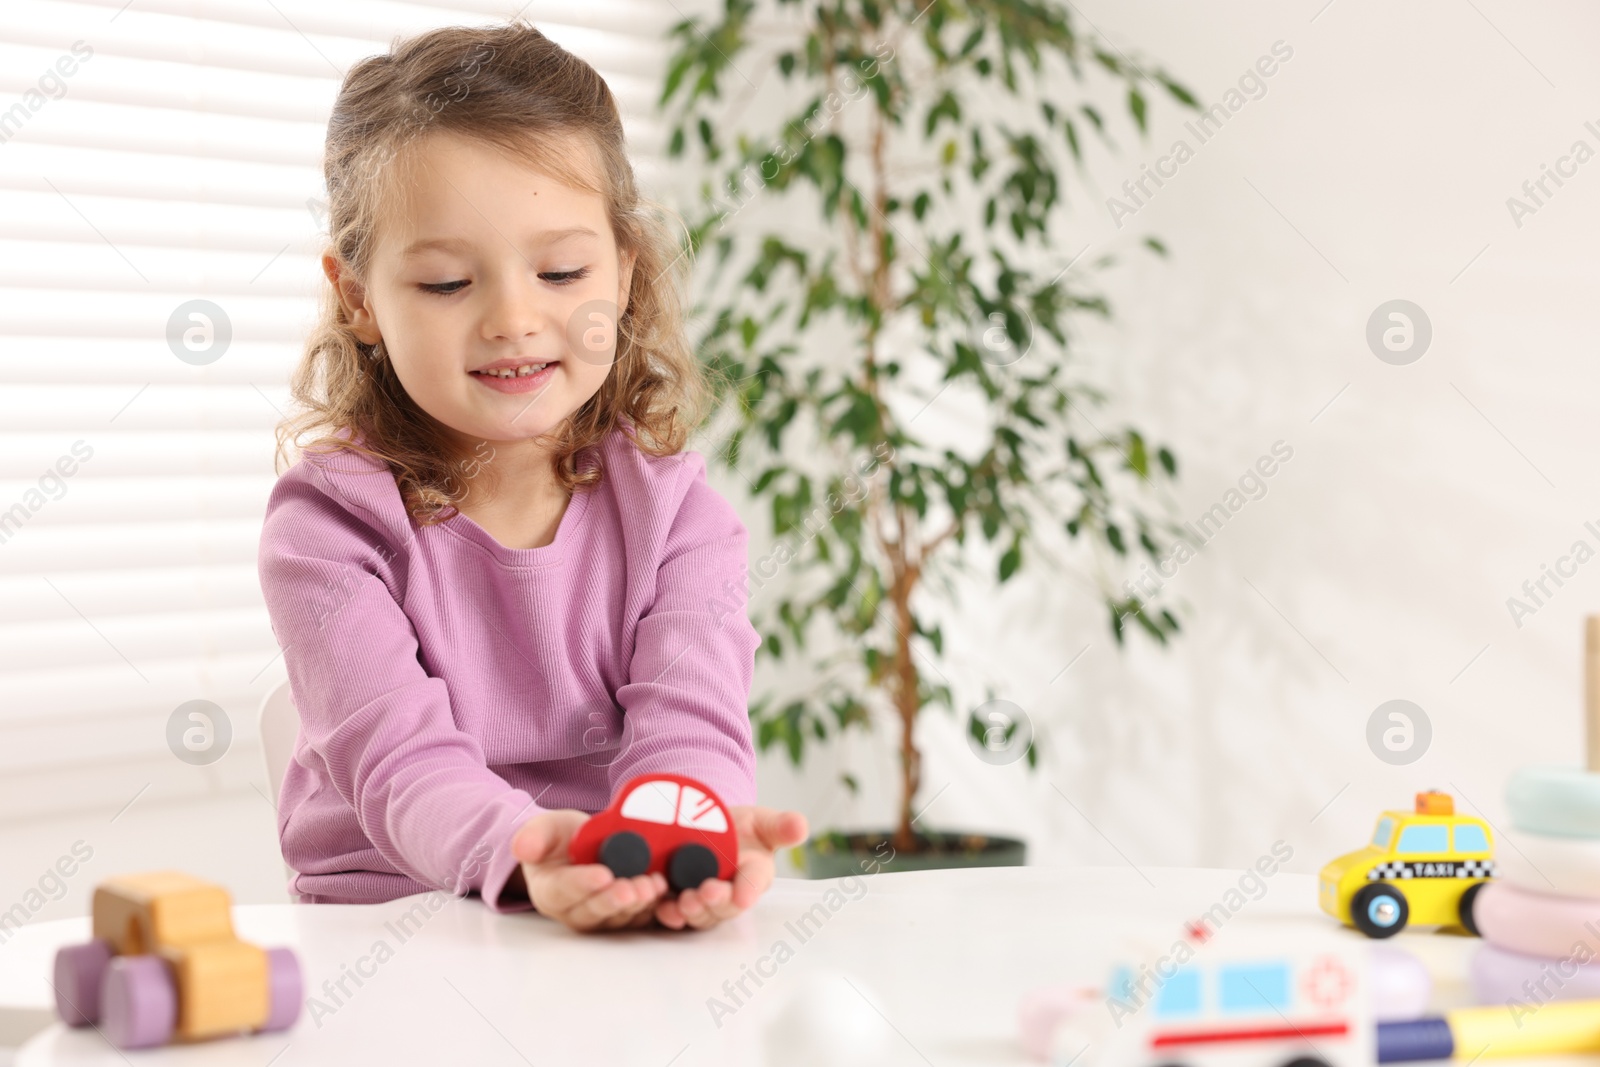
(1423, 866)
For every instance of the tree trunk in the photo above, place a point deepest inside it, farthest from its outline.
(907, 692)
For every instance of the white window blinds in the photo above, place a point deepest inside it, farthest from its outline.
(151, 154)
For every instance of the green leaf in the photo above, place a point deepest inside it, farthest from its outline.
(1136, 106)
(1138, 459)
(947, 107)
(1010, 561)
(675, 71)
(977, 728)
(766, 478)
(1178, 92)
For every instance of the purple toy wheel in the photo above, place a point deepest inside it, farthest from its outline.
(285, 991)
(78, 971)
(139, 1002)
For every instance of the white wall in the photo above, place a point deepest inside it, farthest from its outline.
(1379, 563)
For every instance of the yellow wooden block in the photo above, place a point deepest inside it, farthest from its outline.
(140, 913)
(223, 988)
(1553, 1028)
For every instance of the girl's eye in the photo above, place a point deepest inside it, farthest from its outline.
(565, 277)
(561, 277)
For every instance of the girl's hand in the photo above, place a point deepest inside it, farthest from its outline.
(762, 831)
(584, 896)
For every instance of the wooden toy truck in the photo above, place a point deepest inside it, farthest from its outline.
(164, 963)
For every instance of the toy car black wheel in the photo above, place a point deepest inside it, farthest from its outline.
(626, 853)
(1307, 1061)
(689, 866)
(1464, 909)
(1379, 910)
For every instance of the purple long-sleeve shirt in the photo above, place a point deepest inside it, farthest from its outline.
(449, 687)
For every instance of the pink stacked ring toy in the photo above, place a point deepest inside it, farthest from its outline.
(1537, 924)
(1499, 977)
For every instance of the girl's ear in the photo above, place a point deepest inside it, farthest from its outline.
(354, 298)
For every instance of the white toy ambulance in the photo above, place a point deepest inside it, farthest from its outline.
(1292, 1001)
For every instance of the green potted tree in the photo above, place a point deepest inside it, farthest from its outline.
(919, 179)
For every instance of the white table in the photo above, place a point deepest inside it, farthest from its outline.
(943, 957)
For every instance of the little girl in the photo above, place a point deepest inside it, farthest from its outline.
(497, 577)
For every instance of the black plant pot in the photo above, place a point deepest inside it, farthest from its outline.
(835, 854)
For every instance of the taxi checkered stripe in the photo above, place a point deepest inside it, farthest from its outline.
(1397, 869)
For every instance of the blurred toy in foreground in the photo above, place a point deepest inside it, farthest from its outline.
(165, 964)
(1495, 1030)
(665, 823)
(1541, 919)
(1422, 867)
(1241, 999)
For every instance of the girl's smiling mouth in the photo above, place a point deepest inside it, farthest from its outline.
(516, 376)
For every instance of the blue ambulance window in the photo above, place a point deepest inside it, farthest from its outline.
(1122, 983)
(1253, 987)
(1180, 994)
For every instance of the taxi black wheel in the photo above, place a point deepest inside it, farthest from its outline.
(1307, 1061)
(626, 853)
(1469, 900)
(1379, 910)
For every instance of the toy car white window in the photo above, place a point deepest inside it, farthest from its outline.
(652, 802)
(1385, 831)
(1470, 838)
(699, 812)
(1425, 839)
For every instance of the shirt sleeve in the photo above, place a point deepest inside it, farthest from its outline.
(332, 574)
(686, 702)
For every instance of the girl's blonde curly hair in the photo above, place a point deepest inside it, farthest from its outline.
(511, 87)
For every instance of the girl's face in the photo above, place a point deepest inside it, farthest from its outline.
(494, 266)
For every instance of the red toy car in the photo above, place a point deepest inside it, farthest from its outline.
(661, 822)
